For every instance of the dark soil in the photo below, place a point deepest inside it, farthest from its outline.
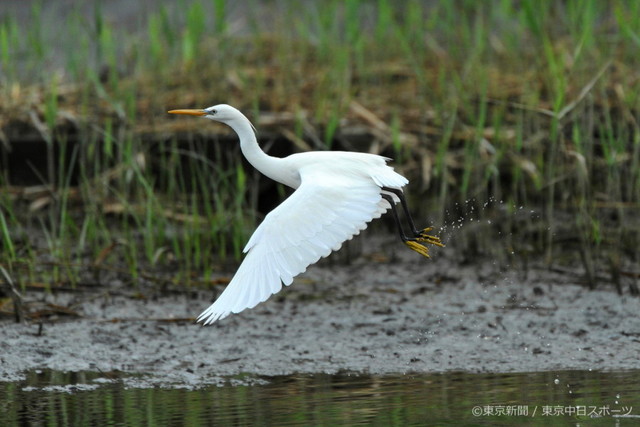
(379, 315)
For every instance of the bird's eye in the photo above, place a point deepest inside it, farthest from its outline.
(213, 112)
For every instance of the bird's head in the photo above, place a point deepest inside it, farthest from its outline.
(220, 113)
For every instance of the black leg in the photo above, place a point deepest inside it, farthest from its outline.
(419, 238)
(421, 235)
(403, 202)
(389, 199)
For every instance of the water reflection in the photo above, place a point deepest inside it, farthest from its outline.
(550, 398)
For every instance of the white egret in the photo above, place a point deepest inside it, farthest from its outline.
(337, 194)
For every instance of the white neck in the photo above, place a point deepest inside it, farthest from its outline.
(272, 167)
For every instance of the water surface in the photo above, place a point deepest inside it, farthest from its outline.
(548, 398)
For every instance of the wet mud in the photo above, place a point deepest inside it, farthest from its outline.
(389, 311)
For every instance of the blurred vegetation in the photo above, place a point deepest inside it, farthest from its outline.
(518, 119)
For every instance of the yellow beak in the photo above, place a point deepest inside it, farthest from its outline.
(189, 112)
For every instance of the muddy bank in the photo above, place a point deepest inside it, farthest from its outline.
(378, 315)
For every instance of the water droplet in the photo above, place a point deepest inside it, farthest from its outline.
(556, 381)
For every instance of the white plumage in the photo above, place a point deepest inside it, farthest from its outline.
(337, 194)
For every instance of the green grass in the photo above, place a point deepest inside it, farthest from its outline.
(491, 108)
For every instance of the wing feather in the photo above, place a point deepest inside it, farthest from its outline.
(324, 212)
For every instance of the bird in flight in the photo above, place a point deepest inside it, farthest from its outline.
(337, 194)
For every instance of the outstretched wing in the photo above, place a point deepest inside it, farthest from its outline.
(326, 210)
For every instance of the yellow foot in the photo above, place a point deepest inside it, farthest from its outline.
(422, 250)
(424, 237)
